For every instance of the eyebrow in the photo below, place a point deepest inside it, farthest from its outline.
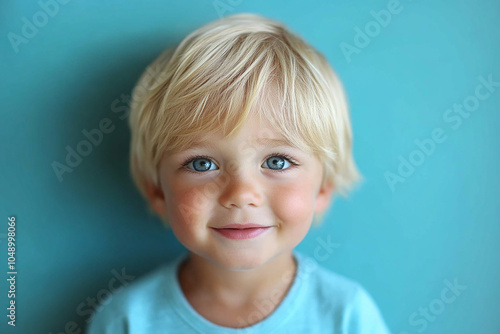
(265, 141)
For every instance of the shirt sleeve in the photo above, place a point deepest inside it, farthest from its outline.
(363, 316)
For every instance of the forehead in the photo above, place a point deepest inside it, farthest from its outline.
(256, 129)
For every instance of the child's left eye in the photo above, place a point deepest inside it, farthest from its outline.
(277, 162)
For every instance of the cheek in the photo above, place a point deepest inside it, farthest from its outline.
(294, 204)
(186, 205)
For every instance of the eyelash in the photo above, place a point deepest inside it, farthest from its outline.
(291, 160)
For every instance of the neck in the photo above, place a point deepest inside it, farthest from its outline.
(237, 288)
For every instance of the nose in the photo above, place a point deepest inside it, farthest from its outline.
(241, 191)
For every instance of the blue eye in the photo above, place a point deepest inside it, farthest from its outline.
(200, 164)
(281, 163)
(277, 162)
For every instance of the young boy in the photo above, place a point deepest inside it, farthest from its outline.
(240, 137)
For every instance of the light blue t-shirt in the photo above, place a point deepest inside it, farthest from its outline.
(319, 301)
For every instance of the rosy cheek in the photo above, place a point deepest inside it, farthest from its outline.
(186, 205)
(184, 214)
(294, 203)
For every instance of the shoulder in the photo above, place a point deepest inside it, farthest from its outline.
(344, 300)
(132, 303)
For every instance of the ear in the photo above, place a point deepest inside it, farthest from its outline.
(324, 195)
(156, 197)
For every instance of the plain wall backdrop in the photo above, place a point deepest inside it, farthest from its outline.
(423, 82)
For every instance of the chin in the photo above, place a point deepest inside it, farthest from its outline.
(242, 260)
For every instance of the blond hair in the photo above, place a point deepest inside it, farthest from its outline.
(216, 76)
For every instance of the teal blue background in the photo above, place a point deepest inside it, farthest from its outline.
(441, 224)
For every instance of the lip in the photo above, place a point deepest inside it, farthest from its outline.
(242, 226)
(241, 231)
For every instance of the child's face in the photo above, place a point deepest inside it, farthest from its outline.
(240, 181)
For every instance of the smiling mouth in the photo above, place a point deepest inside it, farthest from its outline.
(241, 226)
(242, 233)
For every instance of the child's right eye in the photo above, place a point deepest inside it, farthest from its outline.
(198, 164)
